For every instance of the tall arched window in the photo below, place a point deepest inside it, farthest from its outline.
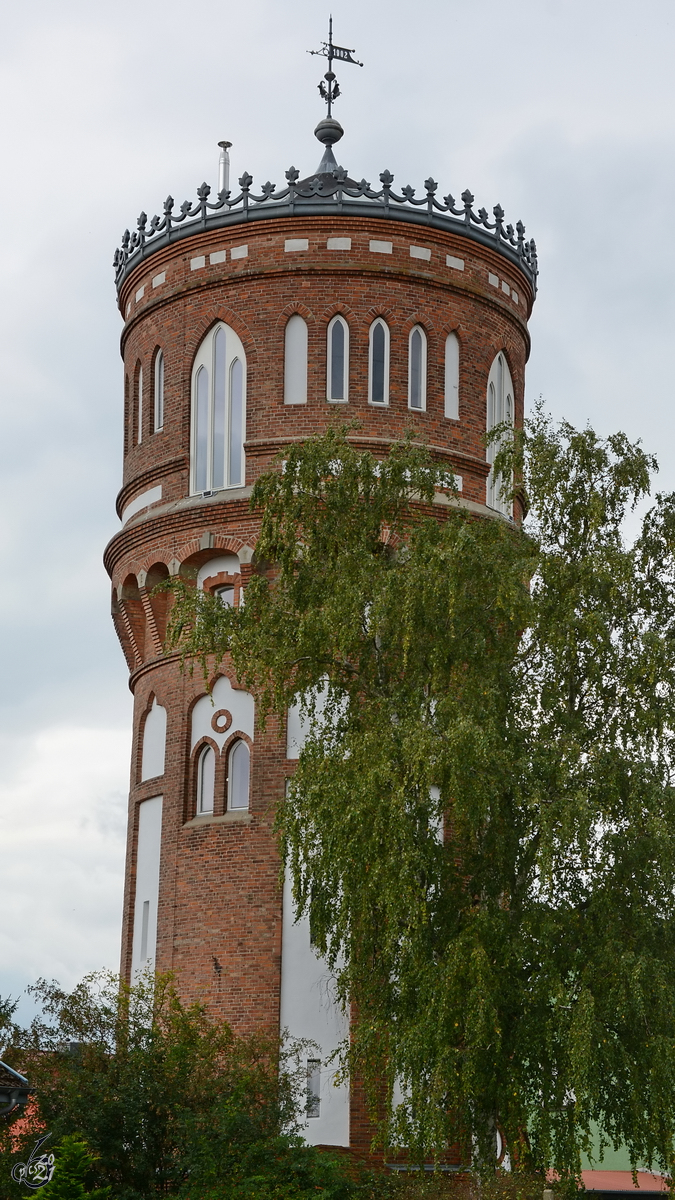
(499, 408)
(128, 418)
(295, 361)
(378, 363)
(158, 416)
(218, 412)
(139, 406)
(337, 360)
(417, 369)
(206, 779)
(238, 772)
(452, 377)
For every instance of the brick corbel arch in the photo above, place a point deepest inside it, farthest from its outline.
(379, 310)
(212, 317)
(338, 307)
(291, 309)
(452, 327)
(420, 319)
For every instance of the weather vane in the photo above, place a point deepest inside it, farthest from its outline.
(330, 90)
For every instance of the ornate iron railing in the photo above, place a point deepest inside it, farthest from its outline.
(322, 195)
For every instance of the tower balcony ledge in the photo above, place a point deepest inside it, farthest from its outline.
(325, 195)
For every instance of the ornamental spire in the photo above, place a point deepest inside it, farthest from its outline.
(330, 90)
(329, 131)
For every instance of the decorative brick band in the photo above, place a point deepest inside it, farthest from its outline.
(321, 196)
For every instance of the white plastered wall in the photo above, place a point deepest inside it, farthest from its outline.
(239, 704)
(228, 563)
(144, 945)
(154, 742)
(309, 1010)
(308, 1006)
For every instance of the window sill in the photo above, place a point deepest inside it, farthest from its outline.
(240, 816)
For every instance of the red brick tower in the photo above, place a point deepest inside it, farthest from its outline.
(251, 320)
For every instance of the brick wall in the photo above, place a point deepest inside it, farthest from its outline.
(219, 917)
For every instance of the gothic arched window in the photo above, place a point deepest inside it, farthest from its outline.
(158, 414)
(218, 412)
(295, 361)
(337, 360)
(139, 405)
(417, 369)
(238, 772)
(499, 409)
(378, 363)
(206, 779)
(452, 377)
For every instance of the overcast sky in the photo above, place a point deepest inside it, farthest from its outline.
(561, 110)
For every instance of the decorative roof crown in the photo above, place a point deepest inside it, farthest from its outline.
(329, 191)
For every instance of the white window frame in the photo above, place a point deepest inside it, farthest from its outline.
(240, 741)
(452, 377)
(379, 321)
(338, 318)
(295, 360)
(422, 407)
(205, 358)
(159, 392)
(203, 751)
(500, 407)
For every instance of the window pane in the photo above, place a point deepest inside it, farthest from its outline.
(377, 393)
(140, 406)
(226, 596)
(218, 476)
(202, 430)
(313, 1087)
(145, 922)
(416, 369)
(206, 779)
(236, 420)
(491, 407)
(159, 391)
(337, 361)
(238, 776)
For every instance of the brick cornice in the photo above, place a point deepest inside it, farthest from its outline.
(142, 482)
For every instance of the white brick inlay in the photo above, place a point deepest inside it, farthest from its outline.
(140, 293)
(158, 280)
(128, 308)
(339, 244)
(381, 247)
(196, 263)
(292, 244)
(494, 280)
(456, 263)
(420, 252)
(218, 256)
(143, 501)
(505, 287)
(239, 252)
(515, 296)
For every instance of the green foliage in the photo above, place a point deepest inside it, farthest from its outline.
(518, 685)
(74, 1167)
(148, 1097)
